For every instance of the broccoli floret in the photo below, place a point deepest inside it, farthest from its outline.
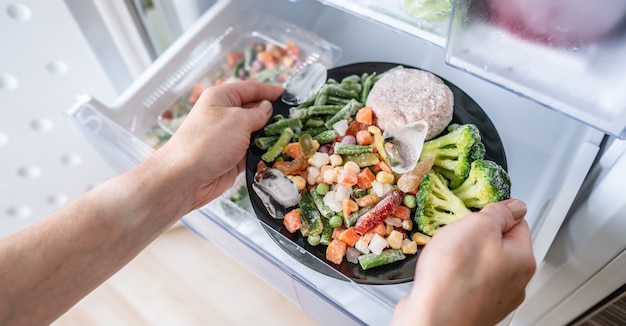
(436, 204)
(487, 183)
(454, 152)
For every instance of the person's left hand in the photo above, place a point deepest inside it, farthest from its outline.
(209, 148)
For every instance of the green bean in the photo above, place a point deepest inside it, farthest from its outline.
(353, 217)
(368, 83)
(336, 100)
(277, 147)
(347, 111)
(323, 109)
(350, 149)
(265, 142)
(314, 123)
(322, 96)
(352, 84)
(337, 90)
(311, 131)
(308, 102)
(298, 113)
(326, 137)
(372, 260)
(327, 233)
(277, 127)
(318, 200)
(351, 79)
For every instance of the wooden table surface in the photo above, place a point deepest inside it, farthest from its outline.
(181, 279)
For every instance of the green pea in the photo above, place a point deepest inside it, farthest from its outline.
(322, 189)
(313, 240)
(409, 201)
(335, 221)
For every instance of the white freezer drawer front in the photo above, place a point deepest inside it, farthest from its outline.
(548, 154)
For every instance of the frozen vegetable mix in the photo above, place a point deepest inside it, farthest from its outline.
(352, 200)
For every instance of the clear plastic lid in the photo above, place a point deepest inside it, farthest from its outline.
(565, 54)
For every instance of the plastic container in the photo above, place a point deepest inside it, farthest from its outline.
(547, 51)
(263, 48)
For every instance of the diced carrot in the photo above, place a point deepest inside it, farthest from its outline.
(365, 178)
(364, 115)
(233, 57)
(367, 237)
(337, 232)
(293, 150)
(384, 167)
(293, 221)
(380, 229)
(195, 92)
(363, 137)
(345, 207)
(292, 49)
(347, 178)
(402, 212)
(349, 236)
(355, 127)
(335, 251)
(265, 57)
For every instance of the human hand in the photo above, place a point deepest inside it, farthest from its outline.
(473, 271)
(208, 150)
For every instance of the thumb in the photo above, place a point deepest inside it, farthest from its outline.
(258, 114)
(507, 213)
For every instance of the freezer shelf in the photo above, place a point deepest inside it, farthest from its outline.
(548, 154)
(579, 75)
(429, 26)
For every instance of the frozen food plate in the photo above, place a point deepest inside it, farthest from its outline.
(466, 110)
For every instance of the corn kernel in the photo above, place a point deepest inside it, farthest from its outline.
(389, 228)
(394, 240)
(352, 166)
(407, 225)
(409, 247)
(330, 176)
(384, 177)
(420, 238)
(312, 175)
(353, 206)
(316, 144)
(298, 181)
(335, 160)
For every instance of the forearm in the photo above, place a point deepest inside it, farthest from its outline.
(51, 265)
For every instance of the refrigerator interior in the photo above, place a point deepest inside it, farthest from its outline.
(548, 153)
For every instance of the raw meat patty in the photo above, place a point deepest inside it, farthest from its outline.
(406, 95)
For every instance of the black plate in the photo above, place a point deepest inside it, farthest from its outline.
(465, 111)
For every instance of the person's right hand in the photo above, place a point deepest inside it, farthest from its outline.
(209, 149)
(473, 271)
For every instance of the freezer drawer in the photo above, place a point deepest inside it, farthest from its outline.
(548, 154)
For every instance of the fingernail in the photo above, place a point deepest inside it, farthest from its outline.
(266, 106)
(517, 208)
